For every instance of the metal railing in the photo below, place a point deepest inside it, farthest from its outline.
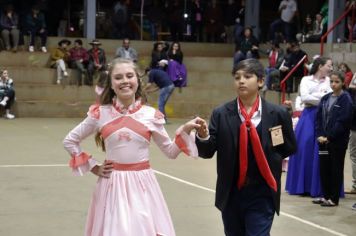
(344, 14)
(283, 82)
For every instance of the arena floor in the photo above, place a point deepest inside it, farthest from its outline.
(39, 196)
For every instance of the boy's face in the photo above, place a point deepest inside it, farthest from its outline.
(247, 84)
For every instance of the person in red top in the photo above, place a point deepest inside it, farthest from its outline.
(79, 59)
(97, 61)
(251, 137)
(348, 73)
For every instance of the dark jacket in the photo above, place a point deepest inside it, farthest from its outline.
(245, 45)
(35, 24)
(224, 128)
(335, 124)
(101, 56)
(353, 96)
(7, 22)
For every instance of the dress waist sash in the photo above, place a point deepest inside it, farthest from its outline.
(131, 166)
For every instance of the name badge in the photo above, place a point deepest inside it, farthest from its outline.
(276, 135)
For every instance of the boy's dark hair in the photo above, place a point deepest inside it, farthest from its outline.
(339, 74)
(252, 66)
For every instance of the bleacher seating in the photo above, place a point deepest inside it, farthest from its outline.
(209, 80)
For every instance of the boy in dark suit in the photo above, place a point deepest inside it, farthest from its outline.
(251, 138)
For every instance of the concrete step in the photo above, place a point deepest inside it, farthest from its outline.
(40, 60)
(174, 108)
(50, 92)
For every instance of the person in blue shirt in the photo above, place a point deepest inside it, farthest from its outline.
(165, 85)
(333, 123)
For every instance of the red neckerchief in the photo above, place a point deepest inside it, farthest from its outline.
(256, 147)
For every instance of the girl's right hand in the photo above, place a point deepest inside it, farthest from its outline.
(103, 170)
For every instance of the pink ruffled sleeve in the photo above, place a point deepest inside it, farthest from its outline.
(80, 161)
(183, 142)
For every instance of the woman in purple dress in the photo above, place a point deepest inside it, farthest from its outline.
(176, 69)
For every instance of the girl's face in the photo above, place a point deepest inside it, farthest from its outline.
(159, 47)
(124, 81)
(336, 83)
(247, 33)
(5, 74)
(175, 46)
(343, 68)
(246, 84)
(326, 68)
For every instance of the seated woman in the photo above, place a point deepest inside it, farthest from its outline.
(9, 28)
(159, 55)
(7, 93)
(247, 47)
(176, 69)
(59, 58)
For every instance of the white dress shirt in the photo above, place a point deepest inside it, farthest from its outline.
(313, 89)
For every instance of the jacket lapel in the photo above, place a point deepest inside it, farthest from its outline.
(233, 120)
(266, 123)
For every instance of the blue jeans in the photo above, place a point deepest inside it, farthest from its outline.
(164, 94)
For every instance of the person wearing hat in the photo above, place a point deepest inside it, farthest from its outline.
(97, 60)
(59, 58)
(79, 59)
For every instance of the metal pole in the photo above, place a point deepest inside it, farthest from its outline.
(141, 17)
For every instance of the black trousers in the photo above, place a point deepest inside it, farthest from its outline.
(331, 159)
(249, 212)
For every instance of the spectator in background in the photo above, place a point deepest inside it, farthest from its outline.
(35, 25)
(247, 47)
(333, 123)
(307, 30)
(230, 15)
(79, 60)
(352, 142)
(318, 29)
(275, 59)
(348, 73)
(176, 69)
(303, 167)
(197, 8)
(214, 26)
(175, 20)
(60, 58)
(159, 59)
(288, 10)
(120, 19)
(296, 54)
(239, 22)
(159, 79)
(7, 93)
(97, 61)
(10, 32)
(126, 52)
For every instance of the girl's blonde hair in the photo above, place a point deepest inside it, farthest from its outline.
(108, 94)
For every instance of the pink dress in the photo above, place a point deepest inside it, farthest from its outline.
(130, 202)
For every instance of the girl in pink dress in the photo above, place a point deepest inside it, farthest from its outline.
(127, 199)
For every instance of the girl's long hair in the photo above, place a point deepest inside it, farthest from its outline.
(106, 98)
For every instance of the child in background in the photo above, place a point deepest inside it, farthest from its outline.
(333, 123)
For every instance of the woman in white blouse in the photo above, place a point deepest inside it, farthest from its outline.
(303, 168)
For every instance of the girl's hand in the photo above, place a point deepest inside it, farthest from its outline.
(322, 139)
(103, 170)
